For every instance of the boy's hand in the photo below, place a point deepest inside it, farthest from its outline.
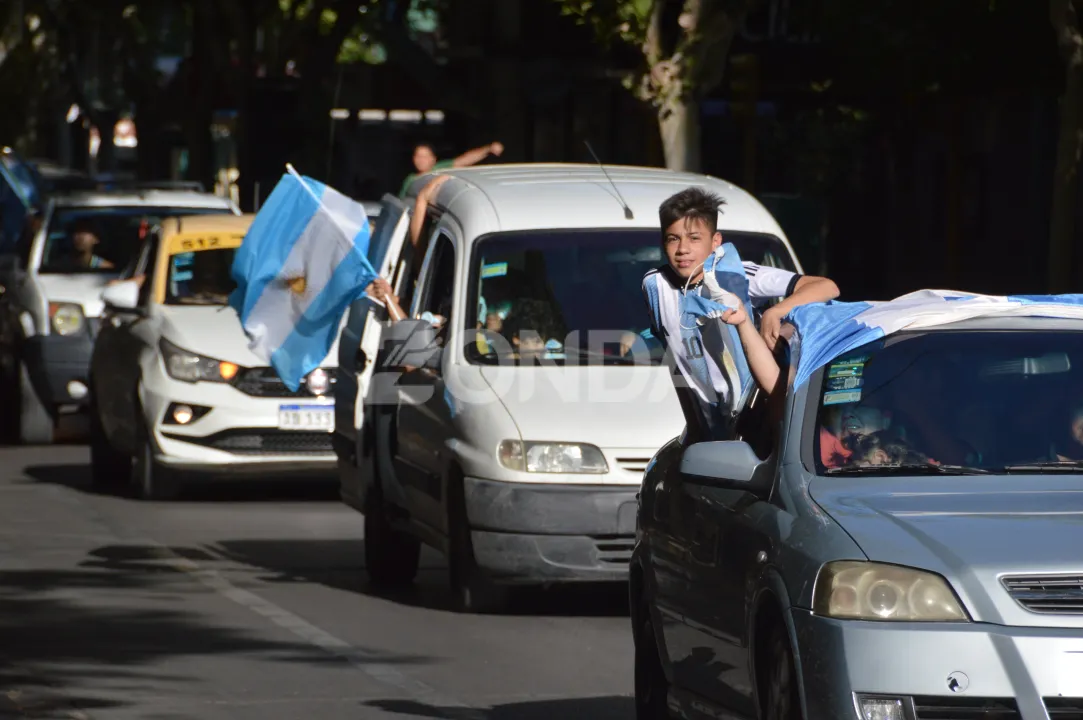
(735, 317)
(771, 325)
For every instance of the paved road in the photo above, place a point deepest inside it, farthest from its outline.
(253, 603)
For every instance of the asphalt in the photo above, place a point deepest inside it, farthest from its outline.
(246, 602)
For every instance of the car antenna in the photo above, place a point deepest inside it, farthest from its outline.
(627, 210)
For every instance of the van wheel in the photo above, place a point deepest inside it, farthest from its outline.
(473, 590)
(391, 556)
(36, 426)
(110, 469)
(651, 685)
(780, 698)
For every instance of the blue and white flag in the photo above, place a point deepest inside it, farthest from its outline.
(303, 261)
(827, 330)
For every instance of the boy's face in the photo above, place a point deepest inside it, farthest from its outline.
(860, 420)
(1077, 428)
(424, 159)
(493, 322)
(84, 241)
(688, 243)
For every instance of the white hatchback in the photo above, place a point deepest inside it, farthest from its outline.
(174, 385)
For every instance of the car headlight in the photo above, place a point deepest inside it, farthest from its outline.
(190, 367)
(547, 457)
(66, 318)
(873, 591)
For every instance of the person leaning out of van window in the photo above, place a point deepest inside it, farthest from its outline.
(425, 161)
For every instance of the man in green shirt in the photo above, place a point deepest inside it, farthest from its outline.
(425, 160)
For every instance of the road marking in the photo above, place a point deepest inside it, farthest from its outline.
(366, 662)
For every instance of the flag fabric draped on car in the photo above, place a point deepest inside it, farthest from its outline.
(303, 261)
(827, 330)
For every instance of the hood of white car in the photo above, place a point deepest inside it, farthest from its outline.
(84, 289)
(606, 406)
(215, 331)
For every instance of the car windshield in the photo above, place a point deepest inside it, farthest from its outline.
(103, 239)
(575, 296)
(953, 402)
(200, 278)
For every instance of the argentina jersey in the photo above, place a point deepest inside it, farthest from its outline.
(714, 372)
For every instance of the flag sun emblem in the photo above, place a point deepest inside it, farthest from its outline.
(296, 284)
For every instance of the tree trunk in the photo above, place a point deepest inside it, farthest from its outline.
(678, 121)
(1069, 144)
(1066, 181)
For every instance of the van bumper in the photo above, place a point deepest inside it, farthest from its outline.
(536, 533)
(54, 361)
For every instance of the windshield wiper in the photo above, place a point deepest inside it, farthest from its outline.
(908, 469)
(1046, 466)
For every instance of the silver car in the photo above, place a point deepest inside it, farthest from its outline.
(899, 538)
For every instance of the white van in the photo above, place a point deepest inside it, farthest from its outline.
(521, 466)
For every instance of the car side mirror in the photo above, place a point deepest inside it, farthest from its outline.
(410, 343)
(728, 464)
(123, 295)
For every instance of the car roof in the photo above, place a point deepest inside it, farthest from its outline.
(224, 223)
(558, 195)
(150, 198)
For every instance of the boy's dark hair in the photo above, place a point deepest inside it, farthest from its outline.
(897, 449)
(532, 315)
(82, 225)
(693, 203)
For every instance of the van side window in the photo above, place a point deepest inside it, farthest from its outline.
(410, 262)
(441, 280)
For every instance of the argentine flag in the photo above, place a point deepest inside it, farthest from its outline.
(827, 330)
(303, 261)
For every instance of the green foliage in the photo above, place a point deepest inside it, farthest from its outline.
(612, 20)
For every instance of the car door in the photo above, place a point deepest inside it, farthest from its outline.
(117, 349)
(424, 421)
(360, 337)
(377, 437)
(732, 538)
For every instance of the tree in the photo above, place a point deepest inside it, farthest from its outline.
(1065, 18)
(683, 48)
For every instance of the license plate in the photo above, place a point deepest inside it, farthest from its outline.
(306, 417)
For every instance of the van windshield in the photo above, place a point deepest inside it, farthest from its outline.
(575, 296)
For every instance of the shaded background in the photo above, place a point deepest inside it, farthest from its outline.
(901, 144)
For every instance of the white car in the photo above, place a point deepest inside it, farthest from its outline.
(174, 385)
(50, 301)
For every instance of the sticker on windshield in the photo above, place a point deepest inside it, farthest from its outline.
(182, 276)
(846, 370)
(183, 259)
(494, 270)
(845, 383)
(840, 397)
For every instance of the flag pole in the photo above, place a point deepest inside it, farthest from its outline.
(293, 171)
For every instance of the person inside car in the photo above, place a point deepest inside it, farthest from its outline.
(884, 447)
(84, 240)
(844, 425)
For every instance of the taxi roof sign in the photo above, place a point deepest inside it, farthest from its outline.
(194, 242)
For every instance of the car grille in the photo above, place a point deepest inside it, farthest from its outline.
(1061, 708)
(614, 549)
(955, 708)
(264, 442)
(264, 382)
(633, 465)
(1051, 594)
